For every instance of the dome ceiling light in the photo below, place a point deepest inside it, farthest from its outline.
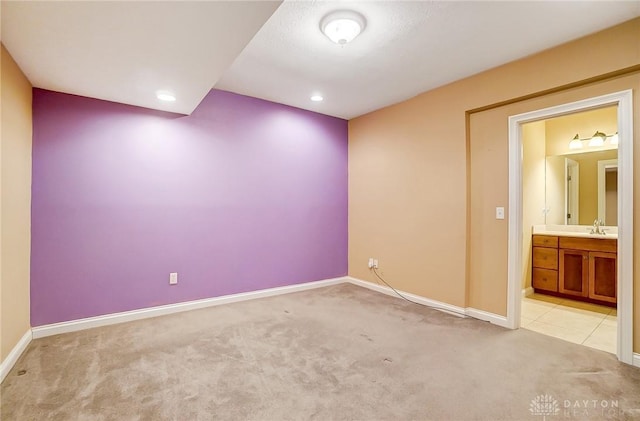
(342, 26)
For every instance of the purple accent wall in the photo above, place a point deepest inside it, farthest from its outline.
(242, 195)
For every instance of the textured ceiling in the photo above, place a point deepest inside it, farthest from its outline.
(406, 48)
(126, 51)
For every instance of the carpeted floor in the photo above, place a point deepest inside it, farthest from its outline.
(336, 353)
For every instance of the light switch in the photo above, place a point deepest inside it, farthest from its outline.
(499, 212)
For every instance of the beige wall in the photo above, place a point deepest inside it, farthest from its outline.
(15, 204)
(555, 185)
(422, 198)
(533, 189)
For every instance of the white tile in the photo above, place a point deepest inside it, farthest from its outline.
(533, 309)
(603, 338)
(610, 321)
(524, 321)
(586, 306)
(545, 298)
(571, 318)
(566, 334)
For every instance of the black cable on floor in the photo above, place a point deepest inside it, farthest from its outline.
(402, 296)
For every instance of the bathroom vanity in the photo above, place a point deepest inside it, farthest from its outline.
(575, 265)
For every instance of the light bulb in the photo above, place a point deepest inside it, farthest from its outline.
(575, 143)
(597, 139)
(614, 139)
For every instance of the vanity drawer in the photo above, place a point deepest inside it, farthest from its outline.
(545, 279)
(607, 245)
(545, 258)
(545, 241)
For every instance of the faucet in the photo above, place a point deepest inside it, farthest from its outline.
(597, 227)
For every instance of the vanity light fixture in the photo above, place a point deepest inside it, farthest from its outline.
(614, 139)
(342, 26)
(165, 96)
(575, 143)
(597, 139)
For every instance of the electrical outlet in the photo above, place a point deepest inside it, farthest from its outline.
(370, 262)
(375, 263)
(173, 278)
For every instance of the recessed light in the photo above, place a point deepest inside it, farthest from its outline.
(316, 98)
(165, 96)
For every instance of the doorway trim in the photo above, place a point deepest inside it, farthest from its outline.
(571, 195)
(624, 101)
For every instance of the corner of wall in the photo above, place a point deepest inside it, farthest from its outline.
(15, 210)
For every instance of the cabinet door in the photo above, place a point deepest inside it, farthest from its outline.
(602, 276)
(574, 272)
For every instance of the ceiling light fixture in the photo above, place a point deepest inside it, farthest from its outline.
(342, 26)
(165, 96)
(316, 98)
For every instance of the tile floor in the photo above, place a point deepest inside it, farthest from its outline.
(574, 321)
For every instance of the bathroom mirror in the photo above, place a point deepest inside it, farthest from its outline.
(569, 177)
(580, 187)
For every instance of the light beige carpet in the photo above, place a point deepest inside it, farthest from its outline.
(336, 353)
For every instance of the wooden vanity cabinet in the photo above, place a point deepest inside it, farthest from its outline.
(602, 276)
(544, 271)
(578, 267)
(574, 273)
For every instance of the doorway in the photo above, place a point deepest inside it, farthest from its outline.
(572, 191)
(624, 281)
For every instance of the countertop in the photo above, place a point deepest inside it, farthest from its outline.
(582, 231)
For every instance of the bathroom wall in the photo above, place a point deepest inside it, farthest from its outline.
(533, 189)
(15, 204)
(555, 190)
(242, 195)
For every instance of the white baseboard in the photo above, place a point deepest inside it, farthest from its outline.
(527, 291)
(115, 318)
(438, 305)
(145, 313)
(14, 355)
(496, 319)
